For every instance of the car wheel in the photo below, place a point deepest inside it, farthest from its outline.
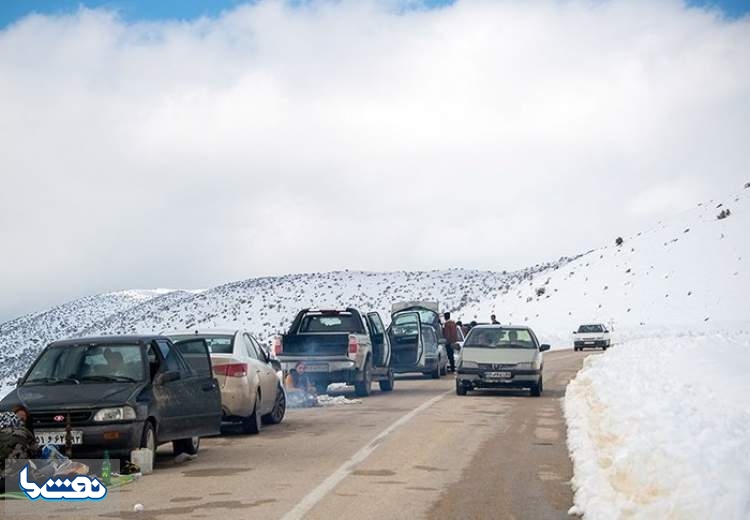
(436, 373)
(251, 423)
(536, 390)
(364, 387)
(460, 388)
(189, 446)
(279, 408)
(148, 440)
(386, 385)
(444, 370)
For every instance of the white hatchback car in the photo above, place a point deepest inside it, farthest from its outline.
(251, 390)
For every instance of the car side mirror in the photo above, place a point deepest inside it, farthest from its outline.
(19, 381)
(166, 377)
(275, 364)
(575, 332)
(544, 348)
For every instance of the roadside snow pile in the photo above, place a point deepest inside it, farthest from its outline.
(660, 428)
(327, 400)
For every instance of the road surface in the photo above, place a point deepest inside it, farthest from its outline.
(419, 452)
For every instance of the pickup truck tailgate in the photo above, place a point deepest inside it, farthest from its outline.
(315, 345)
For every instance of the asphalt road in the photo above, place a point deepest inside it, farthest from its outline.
(419, 452)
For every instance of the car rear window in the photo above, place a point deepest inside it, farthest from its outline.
(316, 323)
(217, 343)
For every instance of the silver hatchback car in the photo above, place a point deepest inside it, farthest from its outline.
(497, 356)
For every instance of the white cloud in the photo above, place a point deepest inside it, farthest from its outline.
(354, 135)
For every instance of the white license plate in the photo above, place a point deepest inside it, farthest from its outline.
(58, 438)
(589, 342)
(318, 367)
(497, 375)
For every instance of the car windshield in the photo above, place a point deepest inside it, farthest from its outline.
(90, 363)
(499, 338)
(590, 328)
(217, 343)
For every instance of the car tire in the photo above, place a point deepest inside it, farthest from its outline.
(386, 385)
(460, 388)
(435, 374)
(252, 423)
(189, 446)
(148, 440)
(278, 412)
(364, 388)
(321, 388)
(444, 370)
(537, 389)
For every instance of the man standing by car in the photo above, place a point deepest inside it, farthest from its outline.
(493, 320)
(451, 338)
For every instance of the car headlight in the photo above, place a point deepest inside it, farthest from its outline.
(525, 366)
(468, 364)
(121, 413)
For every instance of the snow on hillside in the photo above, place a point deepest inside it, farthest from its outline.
(691, 273)
(660, 428)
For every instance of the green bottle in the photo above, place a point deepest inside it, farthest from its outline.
(106, 469)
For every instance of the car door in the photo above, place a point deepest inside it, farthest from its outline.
(169, 389)
(381, 347)
(199, 409)
(405, 334)
(266, 373)
(206, 394)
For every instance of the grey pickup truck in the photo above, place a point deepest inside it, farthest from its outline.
(338, 346)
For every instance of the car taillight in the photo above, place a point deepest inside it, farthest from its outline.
(353, 345)
(231, 370)
(278, 347)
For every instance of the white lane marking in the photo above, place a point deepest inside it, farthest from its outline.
(325, 487)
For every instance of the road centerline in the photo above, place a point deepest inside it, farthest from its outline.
(321, 491)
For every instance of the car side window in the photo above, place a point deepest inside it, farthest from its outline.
(251, 350)
(259, 348)
(171, 360)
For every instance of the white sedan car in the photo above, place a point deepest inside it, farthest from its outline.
(251, 391)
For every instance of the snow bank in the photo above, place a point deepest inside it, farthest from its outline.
(660, 428)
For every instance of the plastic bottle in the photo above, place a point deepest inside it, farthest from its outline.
(106, 469)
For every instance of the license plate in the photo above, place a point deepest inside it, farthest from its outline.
(58, 438)
(317, 367)
(589, 342)
(497, 375)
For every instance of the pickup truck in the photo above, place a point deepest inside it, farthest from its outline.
(338, 346)
(594, 335)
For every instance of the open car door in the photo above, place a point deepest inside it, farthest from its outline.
(406, 338)
(380, 345)
(207, 402)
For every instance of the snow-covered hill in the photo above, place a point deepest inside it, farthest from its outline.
(690, 274)
(686, 275)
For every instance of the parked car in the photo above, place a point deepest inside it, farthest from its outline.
(338, 346)
(121, 393)
(497, 356)
(417, 340)
(251, 391)
(594, 335)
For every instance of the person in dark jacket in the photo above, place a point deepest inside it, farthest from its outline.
(16, 438)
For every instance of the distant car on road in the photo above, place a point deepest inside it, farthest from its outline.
(338, 346)
(594, 335)
(497, 356)
(251, 391)
(121, 393)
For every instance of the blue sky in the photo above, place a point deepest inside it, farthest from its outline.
(132, 10)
